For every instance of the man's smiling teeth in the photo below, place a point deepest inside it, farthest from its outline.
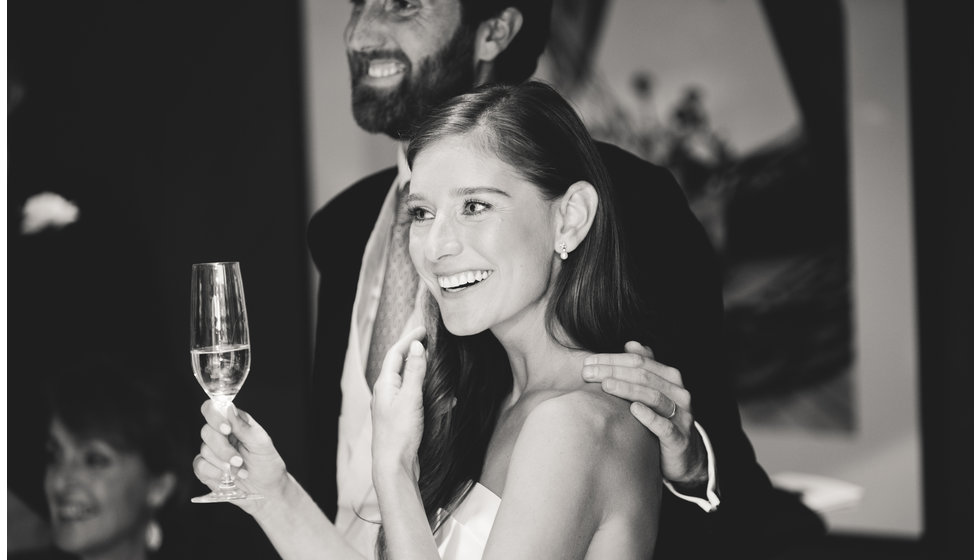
(384, 69)
(462, 279)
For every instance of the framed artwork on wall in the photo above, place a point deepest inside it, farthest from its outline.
(787, 126)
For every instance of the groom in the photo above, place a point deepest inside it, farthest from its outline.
(406, 57)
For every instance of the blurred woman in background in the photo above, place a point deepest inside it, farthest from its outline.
(115, 457)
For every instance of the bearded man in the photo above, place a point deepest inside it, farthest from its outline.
(407, 56)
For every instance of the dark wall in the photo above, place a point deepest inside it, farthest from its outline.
(177, 128)
(941, 73)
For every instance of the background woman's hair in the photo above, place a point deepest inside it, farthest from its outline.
(134, 408)
(593, 306)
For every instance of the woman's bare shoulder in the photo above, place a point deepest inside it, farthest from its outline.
(593, 418)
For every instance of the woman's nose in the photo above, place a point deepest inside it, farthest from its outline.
(443, 240)
(60, 477)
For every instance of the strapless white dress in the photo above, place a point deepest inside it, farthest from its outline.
(463, 535)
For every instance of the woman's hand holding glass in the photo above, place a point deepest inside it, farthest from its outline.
(238, 444)
(396, 408)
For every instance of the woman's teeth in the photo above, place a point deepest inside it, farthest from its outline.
(73, 512)
(462, 279)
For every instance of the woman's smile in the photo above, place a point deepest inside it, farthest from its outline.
(461, 281)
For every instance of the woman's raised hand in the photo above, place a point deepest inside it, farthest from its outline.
(237, 443)
(396, 408)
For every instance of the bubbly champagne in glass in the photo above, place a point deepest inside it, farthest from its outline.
(220, 349)
(222, 369)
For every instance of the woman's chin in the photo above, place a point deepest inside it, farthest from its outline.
(463, 328)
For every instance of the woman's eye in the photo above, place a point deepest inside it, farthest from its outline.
(475, 207)
(419, 214)
(96, 459)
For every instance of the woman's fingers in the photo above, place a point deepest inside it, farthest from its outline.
(253, 440)
(218, 443)
(207, 472)
(236, 426)
(391, 368)
(215, 418)
(414, 368)
(220, 463)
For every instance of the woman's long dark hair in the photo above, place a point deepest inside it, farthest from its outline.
(593, 305)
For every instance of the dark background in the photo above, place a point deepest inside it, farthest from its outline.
(177, 128)
(940, 55)
(179, 131)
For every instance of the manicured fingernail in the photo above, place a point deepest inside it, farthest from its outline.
(224, 428)
(236, 461)
(608, 384)
(636, 408)
(416, 349)
(588, 372)
(242, 474)
(232, 408)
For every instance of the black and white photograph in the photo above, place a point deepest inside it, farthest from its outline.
(541, 279)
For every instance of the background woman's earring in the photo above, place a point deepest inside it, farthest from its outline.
(154, 536)
(563, 251)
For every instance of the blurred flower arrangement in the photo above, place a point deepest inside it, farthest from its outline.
(785, 266)
(47, 210)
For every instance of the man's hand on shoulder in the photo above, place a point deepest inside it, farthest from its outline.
(662, 404)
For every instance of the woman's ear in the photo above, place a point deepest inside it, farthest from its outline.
(576, 212)
(495, 34)
(161, 487)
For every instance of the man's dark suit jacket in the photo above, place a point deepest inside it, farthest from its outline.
(677, 276)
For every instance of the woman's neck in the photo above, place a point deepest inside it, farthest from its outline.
(538, 362)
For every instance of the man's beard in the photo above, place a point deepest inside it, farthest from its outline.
(439, 77)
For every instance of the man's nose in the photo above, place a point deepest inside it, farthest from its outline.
(366, 30)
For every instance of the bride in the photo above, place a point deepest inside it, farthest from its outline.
(487, 443)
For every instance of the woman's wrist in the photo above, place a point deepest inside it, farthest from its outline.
(278, 498)
(394, 470)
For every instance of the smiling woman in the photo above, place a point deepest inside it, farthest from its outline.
(114, 470)
(515, 236)
(492, 445)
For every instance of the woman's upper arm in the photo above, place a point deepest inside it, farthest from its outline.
(550, 507)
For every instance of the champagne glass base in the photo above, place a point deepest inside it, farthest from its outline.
(233, 495)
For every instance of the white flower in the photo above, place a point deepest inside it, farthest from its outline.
(47, 210)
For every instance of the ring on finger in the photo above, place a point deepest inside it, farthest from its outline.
(673, 410)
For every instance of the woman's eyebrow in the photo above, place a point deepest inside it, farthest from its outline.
(469, 191)
(461, 192)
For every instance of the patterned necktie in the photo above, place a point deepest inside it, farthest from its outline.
(397, 292)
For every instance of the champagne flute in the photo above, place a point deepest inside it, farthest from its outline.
(220, 350)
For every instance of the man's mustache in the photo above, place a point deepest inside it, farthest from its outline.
(359, 61)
